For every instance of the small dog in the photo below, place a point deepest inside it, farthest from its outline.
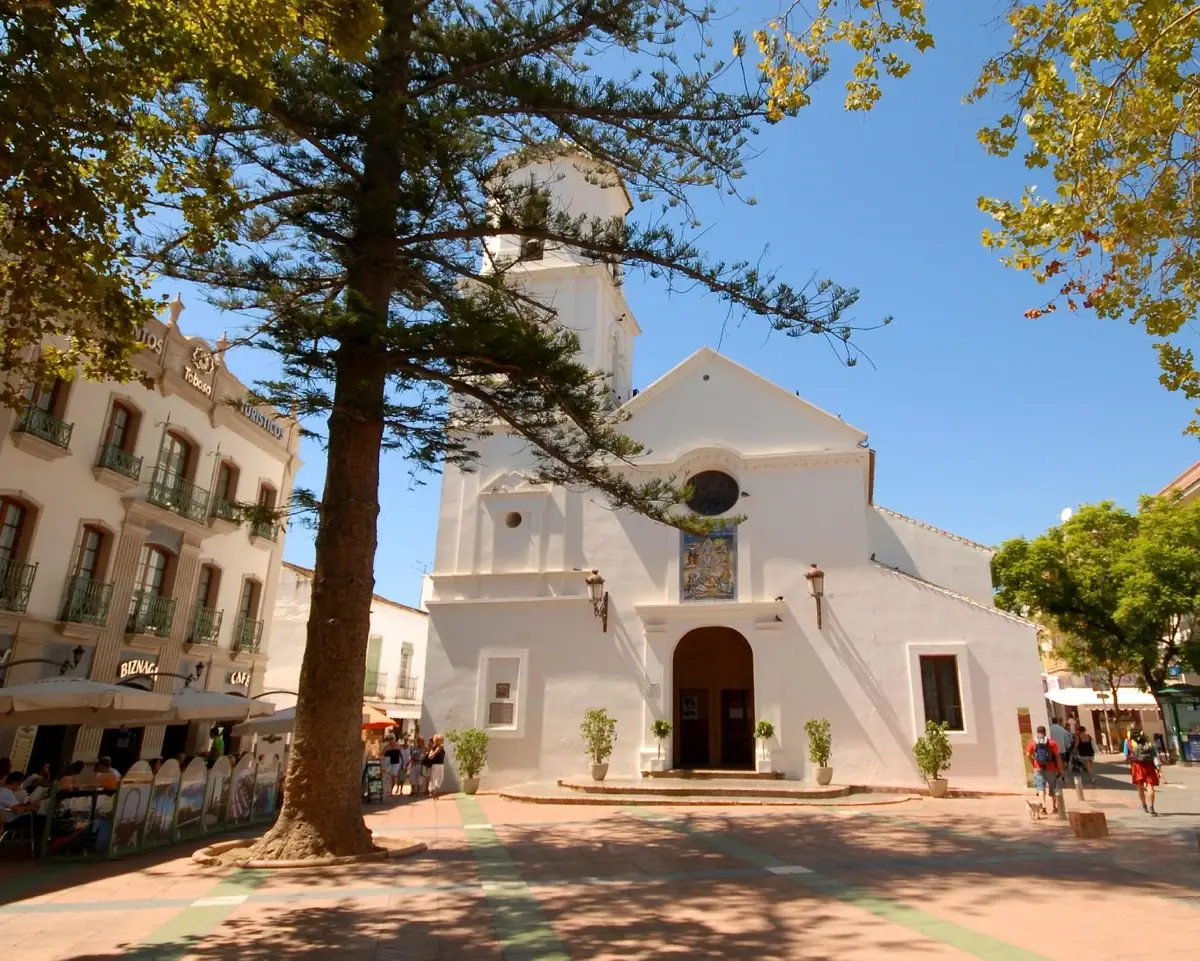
(1036, 811)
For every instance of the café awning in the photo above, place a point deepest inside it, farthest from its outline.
(75, 700)
(281, 722)
(1127, 697)
(188, 705)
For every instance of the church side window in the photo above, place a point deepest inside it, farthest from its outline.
(941, 691)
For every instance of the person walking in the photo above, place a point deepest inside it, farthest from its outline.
(1047, 767)
(1142, 769)
(414, 766)
(437, 766)
(1086, 748)
(392, 771)
(427, 762)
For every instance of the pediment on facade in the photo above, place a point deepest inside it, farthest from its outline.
(513, 482)
(711, 401)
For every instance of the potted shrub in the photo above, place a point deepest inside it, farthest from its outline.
(660, 730)
(470, 755)
(932, 752)
(763, 732)
(820, 748)
(599, 731)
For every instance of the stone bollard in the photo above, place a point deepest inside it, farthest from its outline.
(1079, 787)
(1089, 824)
(1062, 801)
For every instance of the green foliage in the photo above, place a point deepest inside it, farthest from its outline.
(820, 741)
(1105, 105)
(599, 732)
(470, 750)
(764, 731)
(660, 730)
(933, 750)
(1122, 589)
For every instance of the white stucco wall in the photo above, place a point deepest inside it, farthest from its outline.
(514, 592)
(396, 623)
(932, 554)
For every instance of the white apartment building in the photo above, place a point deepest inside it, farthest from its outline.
(117, 536)
(395, 648)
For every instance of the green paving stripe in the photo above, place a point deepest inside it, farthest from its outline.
(178, 937)
(521, 927)
(947, 932)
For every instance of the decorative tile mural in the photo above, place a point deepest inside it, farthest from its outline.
(708, 566)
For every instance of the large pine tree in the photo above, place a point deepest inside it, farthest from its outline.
(361, 192)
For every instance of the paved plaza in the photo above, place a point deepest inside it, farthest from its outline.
(963, 878)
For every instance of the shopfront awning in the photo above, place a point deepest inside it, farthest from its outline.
(281, 722)
(189, 705)
(1127, 698)
(75, 700)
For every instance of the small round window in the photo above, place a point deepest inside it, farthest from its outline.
(713, 492)
(512, 519)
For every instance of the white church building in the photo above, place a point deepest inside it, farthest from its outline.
(717, 633)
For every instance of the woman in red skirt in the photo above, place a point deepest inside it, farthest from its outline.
(1142, 769)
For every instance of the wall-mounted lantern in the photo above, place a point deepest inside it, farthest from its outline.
(816, 586)
(599, 598)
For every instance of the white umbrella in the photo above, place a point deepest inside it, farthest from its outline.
(189, 705)
(281, 722)
(75, 700)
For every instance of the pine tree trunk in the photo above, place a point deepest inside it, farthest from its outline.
(322, 808)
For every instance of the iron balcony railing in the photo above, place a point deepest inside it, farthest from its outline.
(45, 425)
(247, 634)
(170, 491)
(406, 688)
(150, 614)
(206, 626)
(225, 510)
(86, 600)
(16, 581)
(120, 461)
(375, 684)
(265, 529)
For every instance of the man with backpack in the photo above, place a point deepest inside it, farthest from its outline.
(1047, 767)
(1142, 769)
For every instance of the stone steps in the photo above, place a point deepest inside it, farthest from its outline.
(724, 787)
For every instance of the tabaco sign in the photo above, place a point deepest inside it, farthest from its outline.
(238, 678)
(200, 367)
(135, 666)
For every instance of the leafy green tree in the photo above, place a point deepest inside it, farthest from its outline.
(1122, 589)
(95, 142)
(366, 194)
(1105, 101)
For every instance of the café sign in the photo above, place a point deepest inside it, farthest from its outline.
(239, 678)
(137, 666)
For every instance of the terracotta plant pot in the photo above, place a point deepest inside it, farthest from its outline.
(824, 775)
(470, 785)
(599, 771)
(938, 786)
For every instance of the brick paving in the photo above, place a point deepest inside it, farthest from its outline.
(955, 878)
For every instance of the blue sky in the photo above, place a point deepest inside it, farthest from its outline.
(985, 423)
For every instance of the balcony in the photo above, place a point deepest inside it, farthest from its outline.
(224, 516)
(375, 684)
(86, 601)
(171, 492)
(247, 634)
(206, 626)
(42, 434)
(265, 531)
(16, 581)
(117, 468)
(150, 614)
(406, 688)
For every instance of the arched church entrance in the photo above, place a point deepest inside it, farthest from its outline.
(713, 673)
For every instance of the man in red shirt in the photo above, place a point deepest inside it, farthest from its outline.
(1047, 767)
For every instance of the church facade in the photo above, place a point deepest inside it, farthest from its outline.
(714, 633)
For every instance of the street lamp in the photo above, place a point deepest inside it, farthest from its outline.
(816, 587)
(63, 666)
(599, 598)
